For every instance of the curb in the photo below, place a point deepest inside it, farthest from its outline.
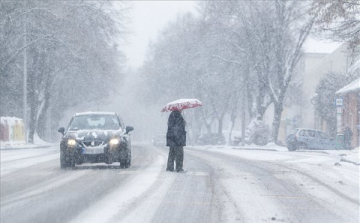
(19, 148)
(254, 149)
(349, 161)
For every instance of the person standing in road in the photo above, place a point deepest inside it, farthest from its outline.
(176, 140)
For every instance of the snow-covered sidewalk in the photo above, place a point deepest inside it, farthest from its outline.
(38, 143)
(350, 156)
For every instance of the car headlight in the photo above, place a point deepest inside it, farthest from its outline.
(114, 141)
(71, 142)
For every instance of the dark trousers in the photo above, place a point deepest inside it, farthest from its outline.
(176, 154)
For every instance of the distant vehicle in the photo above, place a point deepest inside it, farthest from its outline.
(301, 138)
(211, 139)
(159, 140)
(95, 137)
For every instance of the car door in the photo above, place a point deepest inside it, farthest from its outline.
(312, 139)
(325, 141)
(302, 136)
(322, 142)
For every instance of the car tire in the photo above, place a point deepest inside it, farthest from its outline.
(291, 148)
(62, 160)
(124, 159)
(71, 162)
(128, 160)
(302, 146)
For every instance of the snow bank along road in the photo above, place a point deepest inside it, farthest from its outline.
(221, 185)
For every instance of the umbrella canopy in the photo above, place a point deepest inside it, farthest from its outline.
(181, 104)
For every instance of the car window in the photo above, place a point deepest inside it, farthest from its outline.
(323, 135)
(311, 133)
(302, 133)
(105, 122)
(121, 123)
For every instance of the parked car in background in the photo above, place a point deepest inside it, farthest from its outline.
(95, 137)
(159, 140)
(301, 138)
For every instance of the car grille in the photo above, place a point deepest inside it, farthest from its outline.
(92, 143)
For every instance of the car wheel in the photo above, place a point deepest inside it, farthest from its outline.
(302, 146)
(62, 160)
(123, 159)
(291, 147)
(71, 162)
(122, 163)
(128, 161)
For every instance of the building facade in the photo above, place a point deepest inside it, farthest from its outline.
(349, 112)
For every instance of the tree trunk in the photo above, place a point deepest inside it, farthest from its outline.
(41, 122)
(233, 118)
(278, 109)
(208, 127)
(220, 126)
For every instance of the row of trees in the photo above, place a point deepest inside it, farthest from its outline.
(69, 51)
(234, 56)
(340, 21)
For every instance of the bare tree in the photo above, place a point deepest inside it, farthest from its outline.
(339, 20)
(291, 27)
(71, 49)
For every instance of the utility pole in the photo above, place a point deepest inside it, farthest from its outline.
(25, 76)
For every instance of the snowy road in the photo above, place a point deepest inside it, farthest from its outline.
(221, 185)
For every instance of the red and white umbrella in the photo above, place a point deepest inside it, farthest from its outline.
(181, 104)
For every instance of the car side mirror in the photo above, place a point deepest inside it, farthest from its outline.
(62, 130)
(129, 129)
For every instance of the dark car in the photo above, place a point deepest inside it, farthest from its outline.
(309, 139)
(95, 137)
(159, 140)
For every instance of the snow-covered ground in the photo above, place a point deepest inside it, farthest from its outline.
(351, 156)
(17, 159)
(222, 184)
(38, 143)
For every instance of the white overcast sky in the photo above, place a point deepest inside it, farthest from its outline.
(150, 17)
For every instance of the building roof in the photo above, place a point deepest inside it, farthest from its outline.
(353, 86)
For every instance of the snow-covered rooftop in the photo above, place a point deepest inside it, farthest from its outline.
(353, 86)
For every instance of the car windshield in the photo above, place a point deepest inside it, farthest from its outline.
(104, 122)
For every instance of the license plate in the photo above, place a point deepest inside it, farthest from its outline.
(92, 150)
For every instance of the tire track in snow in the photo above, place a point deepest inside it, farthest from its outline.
(121, 200)
(268, 180)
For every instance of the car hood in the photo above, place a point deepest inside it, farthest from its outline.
(94, 135)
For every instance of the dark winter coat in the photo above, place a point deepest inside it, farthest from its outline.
(176, 134)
